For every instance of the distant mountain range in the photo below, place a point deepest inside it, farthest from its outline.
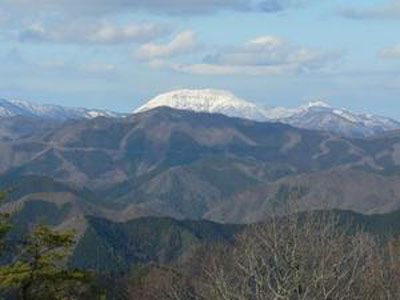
(183, 164)
(316, 115)
(118, 181)
(12, 108)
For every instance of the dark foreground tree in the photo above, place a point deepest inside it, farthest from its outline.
(38, 269)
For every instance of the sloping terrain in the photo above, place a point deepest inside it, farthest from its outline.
(105, 245)
(196, 165)
(316, 115)
(118, 246)
(345, 189)
(108, 246)
(12, 108)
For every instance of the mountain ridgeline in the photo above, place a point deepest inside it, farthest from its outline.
(189, 165)
(157, 191)
(12, 108)
(316, 115)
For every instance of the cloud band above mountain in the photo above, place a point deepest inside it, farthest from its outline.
(265, 55)
(171, 7)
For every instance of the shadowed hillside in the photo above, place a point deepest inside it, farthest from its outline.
(195, 165)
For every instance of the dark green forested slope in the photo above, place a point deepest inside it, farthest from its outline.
(194, 165)
(114, 246)
(118, 246)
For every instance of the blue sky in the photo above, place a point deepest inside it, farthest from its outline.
(115, 54)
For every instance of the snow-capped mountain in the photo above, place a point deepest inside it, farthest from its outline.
(11, 108)
(321, 116)
(316, 115)
(207, 100)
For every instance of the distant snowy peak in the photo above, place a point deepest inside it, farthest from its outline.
(11, 108)
(279, 113)
(225, 102)
(207, 100)
(316, 115)
(319, 115)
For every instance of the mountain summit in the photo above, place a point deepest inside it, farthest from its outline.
(316, 115)
(207, 100)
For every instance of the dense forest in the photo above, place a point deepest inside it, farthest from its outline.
(296, 255)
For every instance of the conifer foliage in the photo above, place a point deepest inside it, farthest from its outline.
(37, 268)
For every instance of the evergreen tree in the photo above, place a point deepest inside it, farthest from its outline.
(39, 270)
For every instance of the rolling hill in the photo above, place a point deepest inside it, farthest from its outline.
(183, 164)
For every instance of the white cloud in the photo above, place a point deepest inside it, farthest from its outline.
(210, 69)
(390, 52)
(91, 33)
(265, 50)
(185, 42)
(265, 55)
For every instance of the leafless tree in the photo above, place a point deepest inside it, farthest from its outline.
(300, 256)
(304, 256)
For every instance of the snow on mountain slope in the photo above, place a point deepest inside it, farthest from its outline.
(10, 108)
(281, 113)
(316, 115)
(207, 100)
(321, 116)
